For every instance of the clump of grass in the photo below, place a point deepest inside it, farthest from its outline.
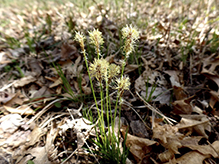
(148, 95)
(109, 76)
(13, 42)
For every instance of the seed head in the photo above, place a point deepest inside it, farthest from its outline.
(99, 69)
(96, 39)
(114, 70)
(123, 83)
(130, 34)
(80, 38)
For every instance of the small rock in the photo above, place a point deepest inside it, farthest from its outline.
(139, 129)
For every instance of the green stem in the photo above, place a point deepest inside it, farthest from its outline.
(102, 105)
(98, 53)
(117, 99)
(92, 88)
(123, 67)
(103, 133)
(119, 121)
(107, 105)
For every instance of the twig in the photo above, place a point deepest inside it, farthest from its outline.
(44, 110)
(213, 148)
(91, 152)
(69, 156)
(7, 86)
(50, 120)
(156, 110)
(127, 103)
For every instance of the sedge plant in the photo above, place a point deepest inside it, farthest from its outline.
(108, 76)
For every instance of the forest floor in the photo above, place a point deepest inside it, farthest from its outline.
(170, 112)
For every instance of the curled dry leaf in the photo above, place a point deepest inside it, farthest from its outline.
(17, 99)
(35, 135)
(149, 77)
(213, 100)
(179, 93)
(206, 149)
(11, 122)
(170, 138)
(24, 81)
(139, 147)
(195, 123)
(86, 90)
(123, 123)
(193, 140)
(174, 77)
(68, 51)
(23, 110)
(76, 86)
(199, 154)
(4, 59)
(212, 77)
(191, 157)
(5, 97)
(182, 106)
(210, 65)
(84, 87)
(56, 83)
(166, 156)
(44, 90)
(51, 136)
(48, 152)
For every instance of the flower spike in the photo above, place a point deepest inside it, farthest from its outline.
(96, 39)
(80, 38)
(131, 35)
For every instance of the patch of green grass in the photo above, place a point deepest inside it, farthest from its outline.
(88, 114)
(70, 23)
(109, 150)
(214, 42)
(12, 42)
(30, 162)
(20, 71)
(14, 66)
(66, 86)
(148, 95)
(4, 22)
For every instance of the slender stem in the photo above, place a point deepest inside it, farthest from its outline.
(91, 83)
(119, 120)
(107, 105)
(102, 105)
(117, 99)
(98, 53)
(123, 66)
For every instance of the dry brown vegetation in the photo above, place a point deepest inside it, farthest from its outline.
(48, 113)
